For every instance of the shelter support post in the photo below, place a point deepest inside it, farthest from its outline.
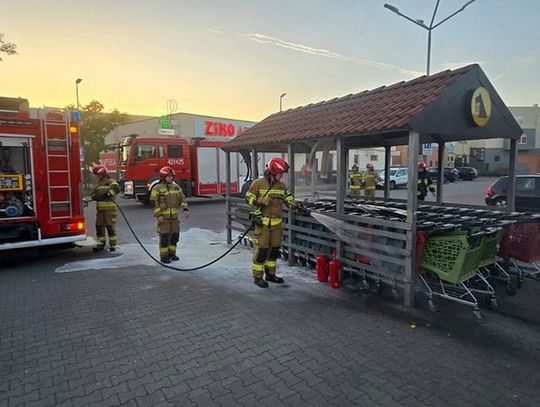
(254, 161)
(228, 194)
(511, 200)
(341, 187)
(387, 164)
(440, 172)
(290, 153)
(412, 203)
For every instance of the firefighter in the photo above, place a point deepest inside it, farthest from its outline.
(370, 180)
(105, 194)
(267, 196)
(355, 181)
(168, 198)
(425, 183)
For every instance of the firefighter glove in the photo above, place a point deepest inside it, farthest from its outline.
(255, 217)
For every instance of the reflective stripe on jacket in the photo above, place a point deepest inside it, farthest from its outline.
(278, 193)
(168, 199)
(105, 194)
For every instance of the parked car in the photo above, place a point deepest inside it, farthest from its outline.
(527, 193)
(451, 173)
(398, 177)
(433, 174)
(467, 173)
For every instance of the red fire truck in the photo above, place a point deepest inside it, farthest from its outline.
(40, 176)
(199, 167)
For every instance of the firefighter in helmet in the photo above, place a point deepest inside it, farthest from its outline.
(425, 183)
(267, 196)
(168, 199)
(370, 180)
(105, 195)
(355, 181)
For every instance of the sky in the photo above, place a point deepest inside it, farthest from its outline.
(234, 58)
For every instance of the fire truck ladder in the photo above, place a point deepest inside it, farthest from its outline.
(56, 132)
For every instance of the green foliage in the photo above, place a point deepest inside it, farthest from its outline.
(7, 47)
(95, 125)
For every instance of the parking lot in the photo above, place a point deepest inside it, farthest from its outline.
(79, 329)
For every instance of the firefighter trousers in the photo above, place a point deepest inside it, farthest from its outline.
(266, 245)
(106, 221)
(169, 234)
(370, 192)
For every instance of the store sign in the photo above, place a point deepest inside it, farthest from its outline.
(480, 106)
(216, 130)
(427, 149)
(167, 132)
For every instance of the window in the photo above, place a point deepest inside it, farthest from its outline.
(175, 151)
(525, 184)
(356, 158)
(145, 151)
(497, 158)
(523, 139)
(373, 158)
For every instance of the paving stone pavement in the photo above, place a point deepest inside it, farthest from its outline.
(147, 337)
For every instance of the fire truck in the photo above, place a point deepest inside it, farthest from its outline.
(40, 176)
(199, 165)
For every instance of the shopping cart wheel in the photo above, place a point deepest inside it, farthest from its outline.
(431, 305)
(494, 304)
(478, 317)
(510, 289)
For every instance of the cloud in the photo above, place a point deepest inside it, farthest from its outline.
(499, 76)
(265, 39)
(216, 32)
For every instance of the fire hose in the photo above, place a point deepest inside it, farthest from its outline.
(255, 218)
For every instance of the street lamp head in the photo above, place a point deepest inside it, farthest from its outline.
(79, 80)
(391, 8)
(283, 94)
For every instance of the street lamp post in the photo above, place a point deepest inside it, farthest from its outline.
(79, 80)
(429, 28)
(281, 101)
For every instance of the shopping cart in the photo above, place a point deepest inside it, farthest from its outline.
(520, 250)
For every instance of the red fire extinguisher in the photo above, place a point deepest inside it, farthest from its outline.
(334, 267)
(322, 268)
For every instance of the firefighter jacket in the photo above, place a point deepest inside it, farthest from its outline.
(278, 193)
(105, 194)
(370, 180)
(168, 199)
(425, 184)
(355, 180)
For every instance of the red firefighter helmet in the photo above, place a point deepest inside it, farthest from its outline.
(277, 166)
(370, 167)
(166, 171)
(355, 166)
(100, 170)
(422, 165)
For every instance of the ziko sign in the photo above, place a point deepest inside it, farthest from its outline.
(220, 130)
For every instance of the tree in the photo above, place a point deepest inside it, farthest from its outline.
(95, 125)
(7, 47)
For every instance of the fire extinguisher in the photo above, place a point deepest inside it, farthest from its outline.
(334, 267)
(322, 268)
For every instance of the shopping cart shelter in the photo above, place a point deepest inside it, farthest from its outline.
(381, 248)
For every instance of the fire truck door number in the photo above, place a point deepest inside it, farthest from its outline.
(175, 161)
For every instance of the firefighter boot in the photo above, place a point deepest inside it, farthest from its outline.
(174, 257)
(273, 278)
(112, 248)
(261, 283)
(165, 260)
(98, 248)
